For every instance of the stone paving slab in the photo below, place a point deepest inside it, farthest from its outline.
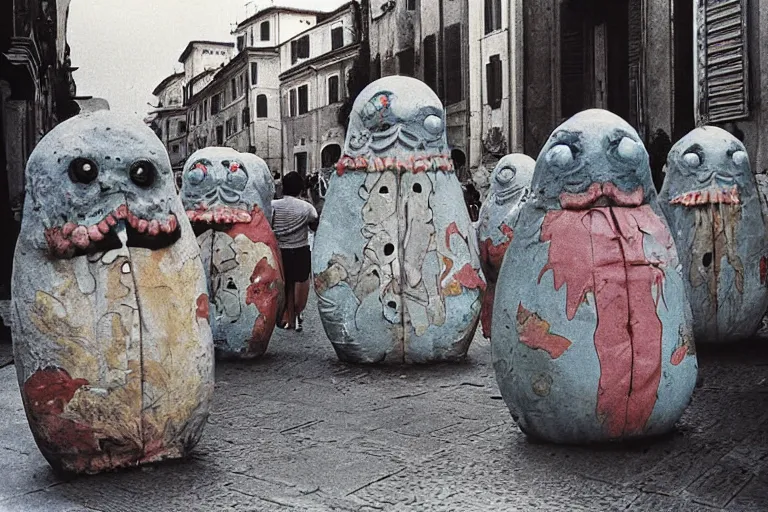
(299, 430)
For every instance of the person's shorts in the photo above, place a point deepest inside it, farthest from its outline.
(297, 264)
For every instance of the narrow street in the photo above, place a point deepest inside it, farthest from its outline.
(298, 430)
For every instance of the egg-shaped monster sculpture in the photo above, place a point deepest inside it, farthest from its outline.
(228, 198)
(111, 337)
(395, 259)
(510, 185)
(592, 337)
(711, 202)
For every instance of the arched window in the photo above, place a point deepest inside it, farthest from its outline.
(265, 36)
(261, 106)
(330, 155)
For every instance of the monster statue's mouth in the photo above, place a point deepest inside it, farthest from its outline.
(218, 217)
(714, 194)
(601, 195)
(72, 240)
(412, 163)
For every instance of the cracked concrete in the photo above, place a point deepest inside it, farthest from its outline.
(298, 430)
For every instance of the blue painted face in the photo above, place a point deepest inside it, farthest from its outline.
(512, 175)
(218, 179)
(591, 149)
(93, 172)
(708, 166)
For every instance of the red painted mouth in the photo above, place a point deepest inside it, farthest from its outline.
(221, 215)
(72, 239)
(411, 164)
(711, 195)
(601, 194)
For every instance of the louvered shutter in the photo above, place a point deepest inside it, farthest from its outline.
(723, 67)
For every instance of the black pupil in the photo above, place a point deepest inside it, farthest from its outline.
(389, 249)
(143, 174)
(84, 170)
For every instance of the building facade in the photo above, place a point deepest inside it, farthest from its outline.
(315, 68)
(169, 119)
(429, 40)
(37, 92)
(666, 67)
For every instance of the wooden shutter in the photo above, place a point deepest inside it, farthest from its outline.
(493, 76)
(337, 38)
(572, 60)
(722, 63)
(635, 40)
(454, 68)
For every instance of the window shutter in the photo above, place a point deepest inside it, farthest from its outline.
(723, 67)
(294, 51)
(494, 81)
(572, 65)
(337, 38)
(454, 68)
(635, 15)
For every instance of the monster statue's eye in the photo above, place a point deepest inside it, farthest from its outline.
(629, 150)
(197, 173)
(506, 175)
(692, 159)
(82, 170)
(433, 124)
(560, 155)
(740, 158)
(143, 173)
(237, 177)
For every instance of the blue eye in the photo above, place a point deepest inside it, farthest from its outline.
(433, 124)
(237, 178)
(197, 174)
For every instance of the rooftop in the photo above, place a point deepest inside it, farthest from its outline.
(192, 44)
(166, 81)
(279, 9)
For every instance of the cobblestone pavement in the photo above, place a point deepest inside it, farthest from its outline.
(300, 431)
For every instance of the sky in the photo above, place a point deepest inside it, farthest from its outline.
(124, 49)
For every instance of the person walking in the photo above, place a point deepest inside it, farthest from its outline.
(291, 221)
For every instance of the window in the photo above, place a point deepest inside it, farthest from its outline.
(261, 106)
(254, 73)
(175, 148)
(292, 102)
(251, 33)
(410, 5)
(493, 81)
(333, 89)
(233, 86)
(200, 113)
(194, 117)
(492, 15)
(723, 65)
(337, 38)
(405, 62)
(240, 43)
(301, 163)
(300, 49)
(181, 127)
(264, 28)
(219, 135)
(303, 99)
(205, 108)
(454, 69)
(246, 117)
(241, 83)
(216, 104)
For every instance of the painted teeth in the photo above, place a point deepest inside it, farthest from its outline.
(220, 215)
(411, 164)
(713, 195)
(61, 240)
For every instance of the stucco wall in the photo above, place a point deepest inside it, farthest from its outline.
(319, 39)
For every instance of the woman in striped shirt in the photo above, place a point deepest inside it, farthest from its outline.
(291, 222)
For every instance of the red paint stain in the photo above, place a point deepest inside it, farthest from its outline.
(491, 257)
(469, 278)
(678, 355)
(203, 306)
(47, 393)
(763, 269)
(267, 282)
(604, 246)
(452, 229)
(486, 313)
(535, 333)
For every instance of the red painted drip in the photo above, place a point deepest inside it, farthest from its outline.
(605, 246)
(264, 292)
(588, 198)
(203, 306)
(678, 355)
(763, 269)
(469, 278)
(493, 255)
(535, 333)
(47, 392)
(452, 229)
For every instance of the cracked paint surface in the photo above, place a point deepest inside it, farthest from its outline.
(711, 202)
(591, 327)
(228, 199)
(114, 364)
(395, 260)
